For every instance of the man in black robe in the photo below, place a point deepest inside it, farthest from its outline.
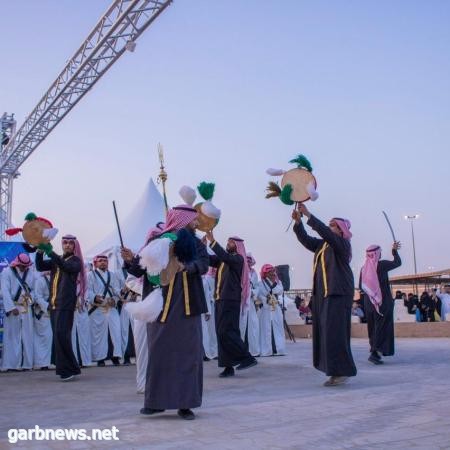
(175, 363)
(232, 289)
(332, 294)
(378, 301)
(67, 281)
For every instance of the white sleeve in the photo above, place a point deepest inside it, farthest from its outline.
(278, 289)
(31, 282)
(116, 286)
(261, 292)
(255, 283)
(90, 291)
(41, 293)
(8, 303)
(207, 290)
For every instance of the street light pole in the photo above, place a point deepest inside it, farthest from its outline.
(411, 220)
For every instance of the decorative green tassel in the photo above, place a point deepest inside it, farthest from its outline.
(206, 190)
(302, 162)
(46, 248)
(171, 236)
(285, 195)
(31, 216)
(154, 279)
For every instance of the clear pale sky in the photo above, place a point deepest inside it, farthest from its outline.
(233, 87)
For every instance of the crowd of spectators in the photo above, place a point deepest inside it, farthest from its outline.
(426, 308)
(304, 308)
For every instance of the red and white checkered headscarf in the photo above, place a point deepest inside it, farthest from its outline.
(22, 259)
(245, 277)
(369, 276)
(344, 225)
(154, 231)
(81, 279)
(178, 218)
(99, 258)
(266, 269)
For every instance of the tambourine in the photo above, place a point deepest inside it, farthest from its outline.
(205, 223)
(303, 183)
(35, 231)
(297, 185)
(208, 215)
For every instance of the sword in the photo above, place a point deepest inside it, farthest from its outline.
(390, 226)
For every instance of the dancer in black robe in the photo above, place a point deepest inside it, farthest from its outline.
(175, 346)
(378, 301)
(67, 281)
(232, 288)
(332, 294)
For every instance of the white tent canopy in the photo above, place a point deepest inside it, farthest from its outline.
(148, 211)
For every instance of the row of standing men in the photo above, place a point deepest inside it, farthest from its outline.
(102, 330)
(99, 331)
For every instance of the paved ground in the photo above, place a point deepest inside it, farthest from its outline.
(280, 404)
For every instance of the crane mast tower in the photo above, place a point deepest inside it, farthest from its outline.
(115, 32)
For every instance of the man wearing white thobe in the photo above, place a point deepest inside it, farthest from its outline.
(102, 295)
(81, 334)
(127, 325)
(17, 285)
(140, 336)
(444, 297)
(270, 289)
(43, 334)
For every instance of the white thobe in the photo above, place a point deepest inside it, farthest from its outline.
(141, 350)
(104, 318)
(271, 321)
(445, 304)
(249, 318)
(209, 326)
(17, 330)
(140, 337)
(81, 332)
(43, 335)
(125, 319)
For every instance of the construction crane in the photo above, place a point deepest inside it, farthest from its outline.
(115, 32)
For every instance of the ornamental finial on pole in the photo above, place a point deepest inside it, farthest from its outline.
(162, 177)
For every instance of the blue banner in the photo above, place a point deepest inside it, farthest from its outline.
(8, 251)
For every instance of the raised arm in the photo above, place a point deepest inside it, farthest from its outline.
(391, 265)
(70, 265)
(41, 264)
(214, 261)
(201, 263)
(133, 267)
(233, 260)
(309, 242)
